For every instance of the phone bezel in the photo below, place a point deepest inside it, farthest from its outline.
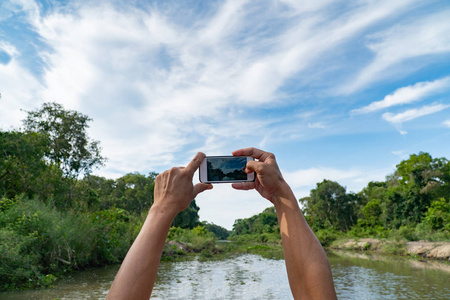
(203, 173)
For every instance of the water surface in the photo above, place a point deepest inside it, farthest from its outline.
(253, 277)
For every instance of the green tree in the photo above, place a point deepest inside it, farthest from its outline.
(219, 231)
(265, 222)
(438, 215)
(21, 163)
(413, 186)
(187, 218)
(330, 206)
(70, 147)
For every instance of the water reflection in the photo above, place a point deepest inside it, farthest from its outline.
(254, 277)
(91, 284)
(390, 278)
(241, 277)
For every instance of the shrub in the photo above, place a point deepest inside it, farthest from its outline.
(326, 236)
(39, 243)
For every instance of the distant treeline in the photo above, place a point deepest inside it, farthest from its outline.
(413, 203)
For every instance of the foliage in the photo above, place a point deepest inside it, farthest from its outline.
(52, 219)
(70, 148)
(330, 206)
(327, 236)
(219, 231)
(438, 215)
(196, 239)
(39, 243)
(132, 192)
(187, 218)
(412, 204)
(415, 184)
(274, 238)
(21, 163)
(265, 222)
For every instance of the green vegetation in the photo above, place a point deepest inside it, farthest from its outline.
(412, 204)
(56, 217)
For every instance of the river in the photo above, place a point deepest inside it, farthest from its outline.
(248, 276)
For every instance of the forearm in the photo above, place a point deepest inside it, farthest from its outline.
(306, 262)
(137, 274)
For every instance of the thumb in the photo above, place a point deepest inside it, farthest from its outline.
(201, 187)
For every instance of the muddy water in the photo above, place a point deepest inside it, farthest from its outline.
(254, 277)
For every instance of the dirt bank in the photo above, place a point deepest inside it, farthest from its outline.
(431, 250)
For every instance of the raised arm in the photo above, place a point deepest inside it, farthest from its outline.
(174, 192)
(307, 265)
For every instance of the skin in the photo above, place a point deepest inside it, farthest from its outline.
(173, 193)
(306, 263)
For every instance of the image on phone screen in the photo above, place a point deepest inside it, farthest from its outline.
(226, 168)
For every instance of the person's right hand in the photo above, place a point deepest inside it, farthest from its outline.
(268, 182)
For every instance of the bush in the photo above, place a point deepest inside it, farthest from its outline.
(39, 243)
(196, 239)
(438, 215)
(274, 238)
(326, 236)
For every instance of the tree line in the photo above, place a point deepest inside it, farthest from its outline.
(412, 203)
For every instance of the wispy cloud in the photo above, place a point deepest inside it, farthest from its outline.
(407, 94)
(354, 179)
(446, 123)
(319, 125)
(398, 119)
(157, 79)
(397, 48)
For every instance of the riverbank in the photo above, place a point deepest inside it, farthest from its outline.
(422, 249)
(179, 251)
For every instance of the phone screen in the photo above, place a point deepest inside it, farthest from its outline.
(226, 168)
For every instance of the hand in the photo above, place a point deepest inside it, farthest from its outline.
(174, 190)
(268, 182)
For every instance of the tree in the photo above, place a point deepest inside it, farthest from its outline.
(265, 222)
(187, 218)
(70, 147)
(330, 206)
(219, 231)
(21, 162)
(413, 186)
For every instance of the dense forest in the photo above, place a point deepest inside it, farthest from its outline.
(56, 217)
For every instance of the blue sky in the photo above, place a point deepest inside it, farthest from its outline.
(342, 90)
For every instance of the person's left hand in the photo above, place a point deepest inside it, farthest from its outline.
(174, 189)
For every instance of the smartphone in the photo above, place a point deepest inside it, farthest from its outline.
(221, 169)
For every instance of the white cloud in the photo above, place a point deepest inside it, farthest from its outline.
(413, 113)
(354, 179)
(407, 94)
(19, 89)
(446, 123)
(319, 125)
(395, 48)
(223, 204)
(309, 177)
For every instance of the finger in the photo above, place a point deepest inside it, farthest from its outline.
(195, 163)
(243, 186)
(253, 152)
(201, 187)
(254, 166)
